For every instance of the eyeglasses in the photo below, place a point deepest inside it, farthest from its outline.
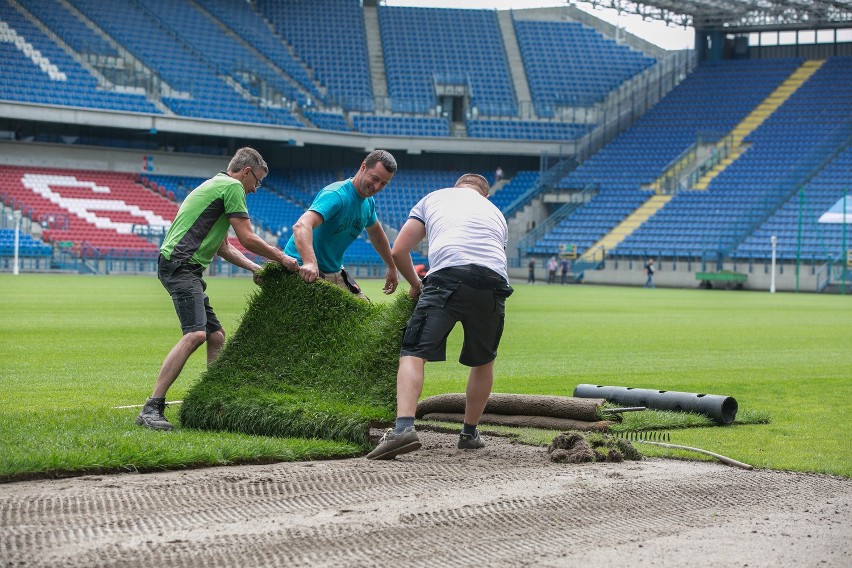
(256, 181)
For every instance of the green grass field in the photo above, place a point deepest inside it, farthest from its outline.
(75, 347)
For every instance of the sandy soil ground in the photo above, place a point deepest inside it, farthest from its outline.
(504, 505)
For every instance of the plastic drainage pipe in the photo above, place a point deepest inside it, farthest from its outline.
(720, 408)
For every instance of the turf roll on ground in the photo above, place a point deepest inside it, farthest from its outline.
(525, 421)
(586, 409)
(535, 411)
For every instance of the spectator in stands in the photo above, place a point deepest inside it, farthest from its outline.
(531, 273)
(565, 270)
(467, 282)
(199, 231)
(551, 270)
(336, 218)
(498, 174)
(649, 270)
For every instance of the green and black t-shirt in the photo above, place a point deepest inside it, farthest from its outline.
(202, 220)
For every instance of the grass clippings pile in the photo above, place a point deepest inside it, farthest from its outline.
(307, 361)
(574, 447)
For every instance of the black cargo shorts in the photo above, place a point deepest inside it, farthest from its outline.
(470, 294)
(183, 282)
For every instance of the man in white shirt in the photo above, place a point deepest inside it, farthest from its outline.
(468, 283)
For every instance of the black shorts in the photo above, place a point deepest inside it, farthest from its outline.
(185, 285)
(471, 294)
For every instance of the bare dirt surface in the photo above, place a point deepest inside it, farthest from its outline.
(504, 505)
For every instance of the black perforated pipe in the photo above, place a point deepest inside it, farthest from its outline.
(720, 408)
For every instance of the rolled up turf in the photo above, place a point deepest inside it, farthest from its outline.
(583, 409)
(307, 361)
(543, 422)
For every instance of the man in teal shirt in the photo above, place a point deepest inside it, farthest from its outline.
(336, 218)
(200, 231)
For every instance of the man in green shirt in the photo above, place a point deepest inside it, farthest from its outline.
(200, 231)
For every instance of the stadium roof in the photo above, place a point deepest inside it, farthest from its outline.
(740, 15)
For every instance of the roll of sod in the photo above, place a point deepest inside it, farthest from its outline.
(584, 409)
(307, 361)
(543, 422)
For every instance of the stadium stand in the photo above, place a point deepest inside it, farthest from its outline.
(422, 46)
(401, 125)
(69, 28)
(516, 187)
(274, 62)
(104, 211)
(269, 207)
(277, 209)
(710, 102)
(27, 245)
(228, 56)
(100, 214)
(36, 70)
(407, 188)
(568, 64)
(302, 185)
(590, 222)
(196, 87)
(784, 152)
(252, 28)
(272, 212)
(796, 224)
(174, 187)
(329, 36)
(525, 130)
(327, 120)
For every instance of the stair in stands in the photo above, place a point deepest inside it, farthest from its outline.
(750, 123)
(627, 226)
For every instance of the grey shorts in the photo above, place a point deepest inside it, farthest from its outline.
(185, 285)
(471, 294)
(344, 280)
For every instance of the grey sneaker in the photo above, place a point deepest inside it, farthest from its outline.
(471, 441)
(392, 445)
(152, 415)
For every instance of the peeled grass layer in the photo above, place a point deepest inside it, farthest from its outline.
(307, 361)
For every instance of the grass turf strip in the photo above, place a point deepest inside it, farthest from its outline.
(75, 442)
(309, 361)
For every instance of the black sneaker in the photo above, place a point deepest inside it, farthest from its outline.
(392, 445)
(471, 441)
(152, 415)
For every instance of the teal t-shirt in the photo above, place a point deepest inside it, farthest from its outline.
(345, 214)
(202, 222)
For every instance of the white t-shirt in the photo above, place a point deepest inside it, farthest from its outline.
(463, 227)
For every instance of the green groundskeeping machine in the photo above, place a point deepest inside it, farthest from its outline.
(307, 361)
(727, 278)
